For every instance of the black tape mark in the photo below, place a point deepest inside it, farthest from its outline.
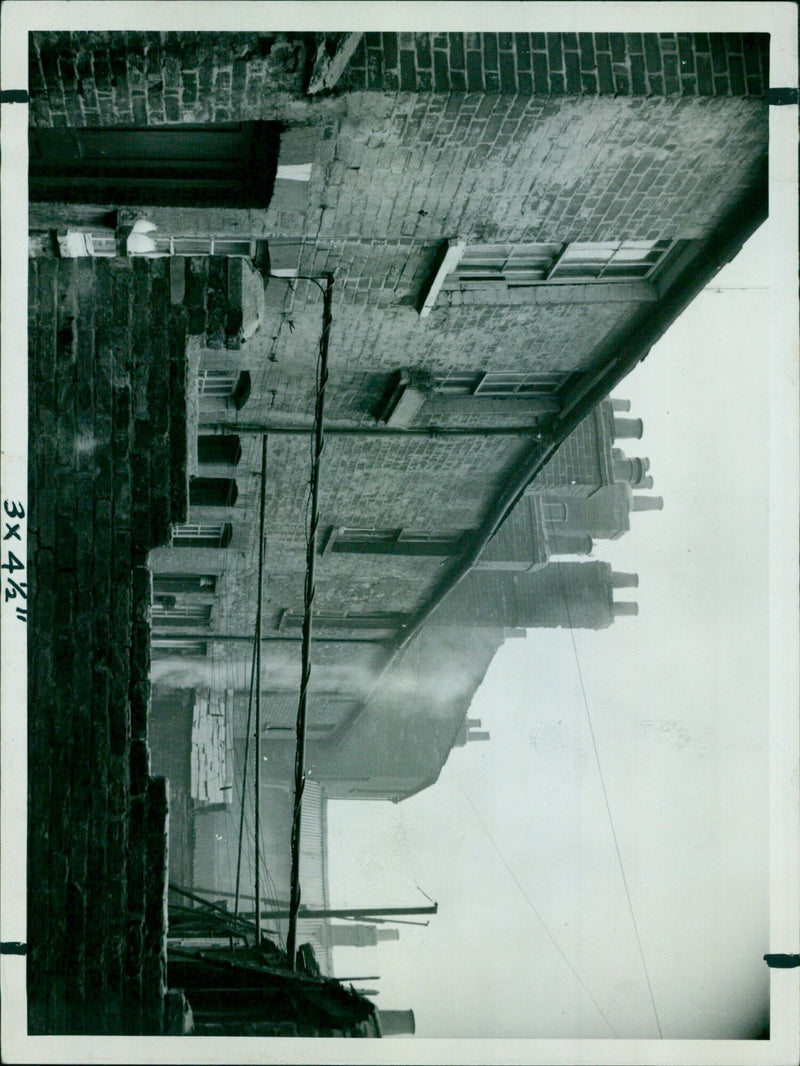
(782, 962)
(13, 947)
(781, 96)
(14, 96)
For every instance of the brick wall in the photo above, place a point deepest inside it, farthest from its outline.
(570, 595)
(484, 164)
(640, 64)
(583, 462)
(489, 167)
(135, 78)
(106, 477)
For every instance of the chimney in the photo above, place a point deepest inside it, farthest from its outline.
(647, 503)
(577, 544)
(396, 1022)
(631, 428)
(473, 723)
(620, 405)
(625, 607)
(477, 736)
(630, 470)
(624, 581)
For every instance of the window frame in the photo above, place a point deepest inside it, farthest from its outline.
(184, 533)
(480, 264)
(395, 540)
(525, 384)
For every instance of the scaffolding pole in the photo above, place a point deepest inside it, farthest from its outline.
(311, 552)
(257, 745)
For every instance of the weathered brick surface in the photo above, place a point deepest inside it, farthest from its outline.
(96, 79)
(94, 858)
(101, 79)
(582, 463)
(489, 167)
(623, 64)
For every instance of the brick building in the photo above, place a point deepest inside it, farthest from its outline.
(510, 223)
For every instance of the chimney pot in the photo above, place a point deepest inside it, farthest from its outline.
(621, 580)
(625, 607)
(648, 503)
(631, 428)
(397, 1022)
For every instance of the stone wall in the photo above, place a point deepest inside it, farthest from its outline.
(106, 478)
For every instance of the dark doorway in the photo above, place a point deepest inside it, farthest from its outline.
(193, 165)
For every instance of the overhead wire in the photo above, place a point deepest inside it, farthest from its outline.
(606, 800)
(532, 906)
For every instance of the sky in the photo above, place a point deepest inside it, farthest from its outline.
(543, 852)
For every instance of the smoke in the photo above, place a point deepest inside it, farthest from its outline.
(181, 672)
(438, 672)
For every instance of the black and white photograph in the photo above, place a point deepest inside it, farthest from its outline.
(399, 559)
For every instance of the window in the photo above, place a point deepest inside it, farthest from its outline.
(162, 648)
(202, 535)
(396, 541)
(230, 246)
(224, 385)
(217, 382)
(179, 615)
(172, 583)
(344, 620)
(531, 264)
(513, 383)
(221, 449)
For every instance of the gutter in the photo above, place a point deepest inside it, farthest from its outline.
(739, 224)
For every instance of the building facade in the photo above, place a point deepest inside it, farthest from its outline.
(505, 225)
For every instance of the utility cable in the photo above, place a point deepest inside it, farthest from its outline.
(607, 802)
(530, 903)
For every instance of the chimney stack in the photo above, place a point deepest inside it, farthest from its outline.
(473, 735)
(473, 723)
(621, 405)
(648, 503)
(630, 428)
(630, 470)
